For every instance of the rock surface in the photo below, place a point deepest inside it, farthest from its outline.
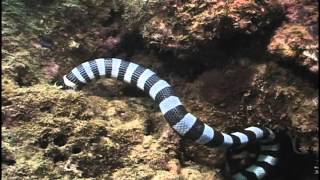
(188, 27)
(296, 40)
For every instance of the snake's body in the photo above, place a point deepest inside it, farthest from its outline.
(184, 123)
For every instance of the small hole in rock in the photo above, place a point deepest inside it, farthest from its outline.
(22, 83)
(149, 127)
(59, 157)
(9, 162)
(3, 116)
(43, 143)
(76, 149)
(60, 140)
(45, 109)
(6, 102)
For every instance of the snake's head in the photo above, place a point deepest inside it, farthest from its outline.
(60, 83)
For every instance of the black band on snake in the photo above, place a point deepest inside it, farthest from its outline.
(184, 123)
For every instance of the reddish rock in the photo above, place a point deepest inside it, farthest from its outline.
(296, 40)
(185, 28)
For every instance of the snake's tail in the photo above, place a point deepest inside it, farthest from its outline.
(184, 123)
(267, 159)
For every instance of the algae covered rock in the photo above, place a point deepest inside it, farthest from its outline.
(48, 130)
(189, 26)
(296, 41)
(49, 133)
(23, 104)
(267, 95)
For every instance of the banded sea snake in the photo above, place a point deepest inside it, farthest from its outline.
(184, 123)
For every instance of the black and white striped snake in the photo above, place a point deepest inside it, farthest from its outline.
(184, 123)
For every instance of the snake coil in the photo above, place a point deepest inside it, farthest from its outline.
(184, 123)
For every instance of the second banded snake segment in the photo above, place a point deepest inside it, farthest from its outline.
(184, 123)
